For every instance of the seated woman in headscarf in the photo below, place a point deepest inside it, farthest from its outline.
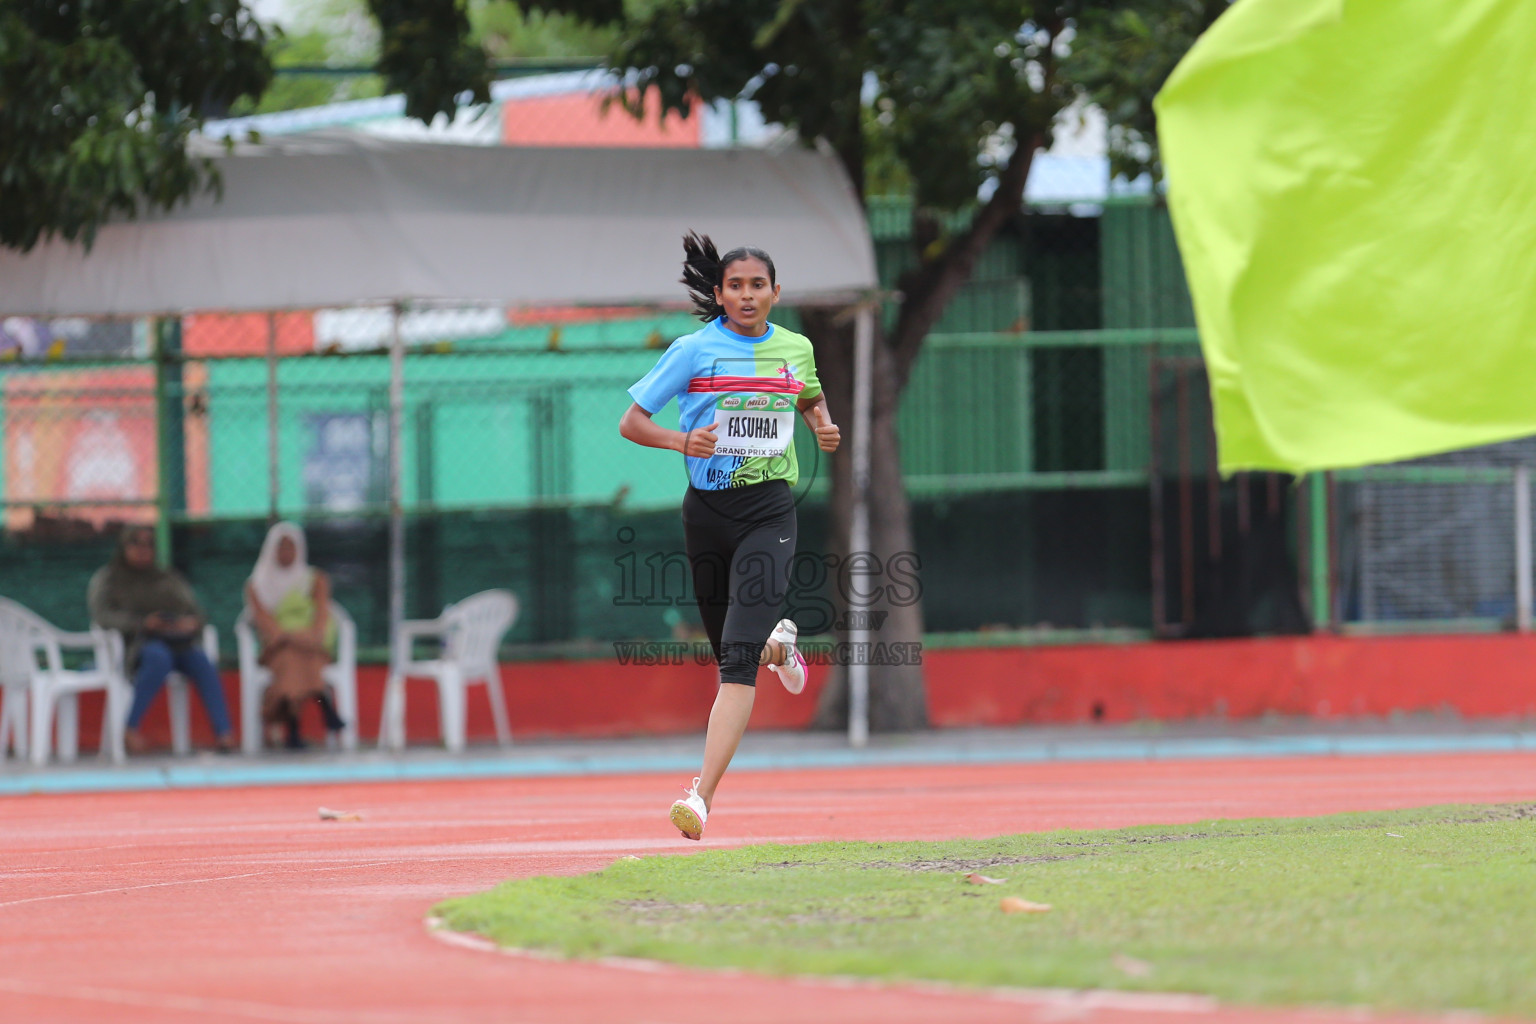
(161, 621)
(290, 603)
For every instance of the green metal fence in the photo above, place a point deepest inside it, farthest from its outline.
(1055, 439)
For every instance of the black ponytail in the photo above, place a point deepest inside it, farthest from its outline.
(701, 272)
(704, 271)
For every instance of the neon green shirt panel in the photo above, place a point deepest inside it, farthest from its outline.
(786, 355)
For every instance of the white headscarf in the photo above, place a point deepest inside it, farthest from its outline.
(273, 582)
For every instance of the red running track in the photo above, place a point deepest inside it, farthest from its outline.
(239, 905)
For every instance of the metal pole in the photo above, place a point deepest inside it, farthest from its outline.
(1244, 504)
(1317, 549)
(274, 473)
(1365, 519)
(1186, 503)
(1333, 553)
(396, 476)
(858, 540)
(1155, 484)
(1523, 548)
(170, 433)
(1213, 500)
(162, 474)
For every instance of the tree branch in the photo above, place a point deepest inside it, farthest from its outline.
(928, 289)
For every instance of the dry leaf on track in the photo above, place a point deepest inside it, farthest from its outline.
(1014, 905)
(326, 814)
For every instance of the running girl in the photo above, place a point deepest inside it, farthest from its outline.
(738, 382)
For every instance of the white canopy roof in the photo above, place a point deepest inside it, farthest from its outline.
(331, 219)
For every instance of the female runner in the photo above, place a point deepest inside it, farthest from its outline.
(739, 381)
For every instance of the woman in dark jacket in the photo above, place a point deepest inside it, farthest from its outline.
(161, 622)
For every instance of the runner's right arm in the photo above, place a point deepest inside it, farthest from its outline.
(637, 426)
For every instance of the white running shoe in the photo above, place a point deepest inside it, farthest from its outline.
(689, 815)
(792, 672)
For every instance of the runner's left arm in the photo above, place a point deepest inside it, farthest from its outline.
(814, 411)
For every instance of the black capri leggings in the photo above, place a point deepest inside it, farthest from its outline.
(740, 544)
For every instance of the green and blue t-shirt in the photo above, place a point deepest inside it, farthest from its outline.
(749, 387)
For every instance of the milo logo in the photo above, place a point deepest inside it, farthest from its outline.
(758, 402)
(729, 402)
(780, 404)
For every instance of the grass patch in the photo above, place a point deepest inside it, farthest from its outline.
(1328, 910)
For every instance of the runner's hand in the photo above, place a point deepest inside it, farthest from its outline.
(700, 442)
(827, 434)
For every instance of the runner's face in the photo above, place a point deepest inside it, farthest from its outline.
(746, 295)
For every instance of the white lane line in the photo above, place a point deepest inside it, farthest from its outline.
(1049, 1000)
(127, 888)
(515, 853)
(491, 848)
(456, 852)
(193, 881)
(468, 850)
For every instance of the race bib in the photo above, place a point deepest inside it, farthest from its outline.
(755, 426)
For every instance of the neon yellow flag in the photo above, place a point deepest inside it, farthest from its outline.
(1353, 187)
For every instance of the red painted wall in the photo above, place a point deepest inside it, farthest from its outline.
(583, 119)
(245, 334)
(1323, 676)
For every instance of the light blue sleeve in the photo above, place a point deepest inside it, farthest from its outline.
(667, 379)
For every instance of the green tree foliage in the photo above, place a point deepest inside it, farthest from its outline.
(884, 173)
(98, 99)
(323, 34)
(1134, 50)
(427, 55)
(342, 34)
(289, 92)
(507, 32)
(952, 82)
(311, 48)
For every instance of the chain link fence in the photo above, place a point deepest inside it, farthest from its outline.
(509, 450)
(1055, 439)
(1439, 542)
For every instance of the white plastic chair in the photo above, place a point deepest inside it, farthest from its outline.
(177, 691)
(35, 689)
(255, 678)
(471, 633)
(18, 660)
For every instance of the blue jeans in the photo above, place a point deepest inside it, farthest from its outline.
(156, 661)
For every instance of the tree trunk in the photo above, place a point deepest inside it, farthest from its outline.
(898, 697)
(897, 694)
